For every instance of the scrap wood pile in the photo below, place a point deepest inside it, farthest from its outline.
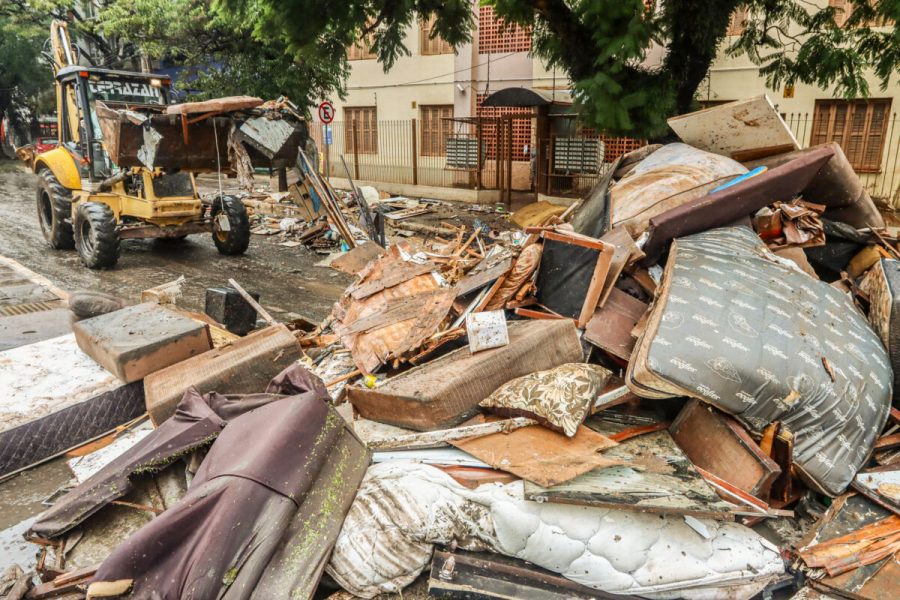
(680, 387)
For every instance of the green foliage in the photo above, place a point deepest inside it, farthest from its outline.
(218, 46)
(22, 76)
(792, 42)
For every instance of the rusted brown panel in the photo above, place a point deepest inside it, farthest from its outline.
(655, 477)
(446, 391)
(719, 445)
(246, 366)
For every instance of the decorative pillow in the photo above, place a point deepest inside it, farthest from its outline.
(560, 398)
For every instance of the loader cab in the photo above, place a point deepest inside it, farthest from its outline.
(78, 91)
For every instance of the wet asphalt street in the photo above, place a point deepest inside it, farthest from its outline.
(286, 278)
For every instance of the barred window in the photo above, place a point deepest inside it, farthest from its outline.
(859, 126)
(428, 45)
(366, 119)
(435, 129)
(495, 36)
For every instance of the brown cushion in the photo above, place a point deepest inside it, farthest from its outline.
(559, 398)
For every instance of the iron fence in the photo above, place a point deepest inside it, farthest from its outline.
(466, 153)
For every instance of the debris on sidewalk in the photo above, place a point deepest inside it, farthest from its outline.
(680, 386)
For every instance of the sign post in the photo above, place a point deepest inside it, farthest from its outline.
(326, 115)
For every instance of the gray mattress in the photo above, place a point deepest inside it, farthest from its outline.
(734, 327)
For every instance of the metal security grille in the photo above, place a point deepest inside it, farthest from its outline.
(521, 130)
(494, 35)
(577, 155)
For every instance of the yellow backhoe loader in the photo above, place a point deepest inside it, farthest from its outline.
(126, 167)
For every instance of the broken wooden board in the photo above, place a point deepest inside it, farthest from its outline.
(848, 513)
(864, 546)
(657, 477)
(540, 455)
(474, 281)
(571, 275)
(625, 251)
(743, 130)
(466, 575)
(881, 485)
(354, 261)
(406, 213)
(718, 444)
(610, 327)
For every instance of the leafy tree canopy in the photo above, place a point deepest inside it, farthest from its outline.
(602, 44)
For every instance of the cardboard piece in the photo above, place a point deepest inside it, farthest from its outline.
(540, 455)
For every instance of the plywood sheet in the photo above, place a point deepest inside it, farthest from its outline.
(540, 455)
(610, 327)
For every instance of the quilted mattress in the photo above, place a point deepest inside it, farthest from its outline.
(403, 509)
(55, 397)
(735, 327)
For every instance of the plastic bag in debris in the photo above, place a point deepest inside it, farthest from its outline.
(403, 508)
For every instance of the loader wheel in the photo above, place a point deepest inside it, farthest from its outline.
(237, 239)
(54, 205)
(96, 235)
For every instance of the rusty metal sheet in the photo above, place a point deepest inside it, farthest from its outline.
(540, 455)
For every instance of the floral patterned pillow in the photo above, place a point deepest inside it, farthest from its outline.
(560, 398)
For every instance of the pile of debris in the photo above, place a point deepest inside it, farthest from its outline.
(680, 386)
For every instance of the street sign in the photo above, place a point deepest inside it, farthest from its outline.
(326, 112)
(327, 135)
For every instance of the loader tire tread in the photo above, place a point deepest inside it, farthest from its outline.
(54, 205)
(96, 235)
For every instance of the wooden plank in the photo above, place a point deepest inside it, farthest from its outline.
(610, 327)
(474, 281)
(354, 261)
(595, 289)
(216, 105)
(716, 443)
(624, 252)
(430, 439)
(657, 477)
(468, 575)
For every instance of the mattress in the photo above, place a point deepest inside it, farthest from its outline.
(735, 327)
(403, 509)
(54, 398)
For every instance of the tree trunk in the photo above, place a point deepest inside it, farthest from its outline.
(697, 29)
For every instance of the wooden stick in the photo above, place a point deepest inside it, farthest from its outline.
(432, 438)
(344, 377)
(262, 312)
